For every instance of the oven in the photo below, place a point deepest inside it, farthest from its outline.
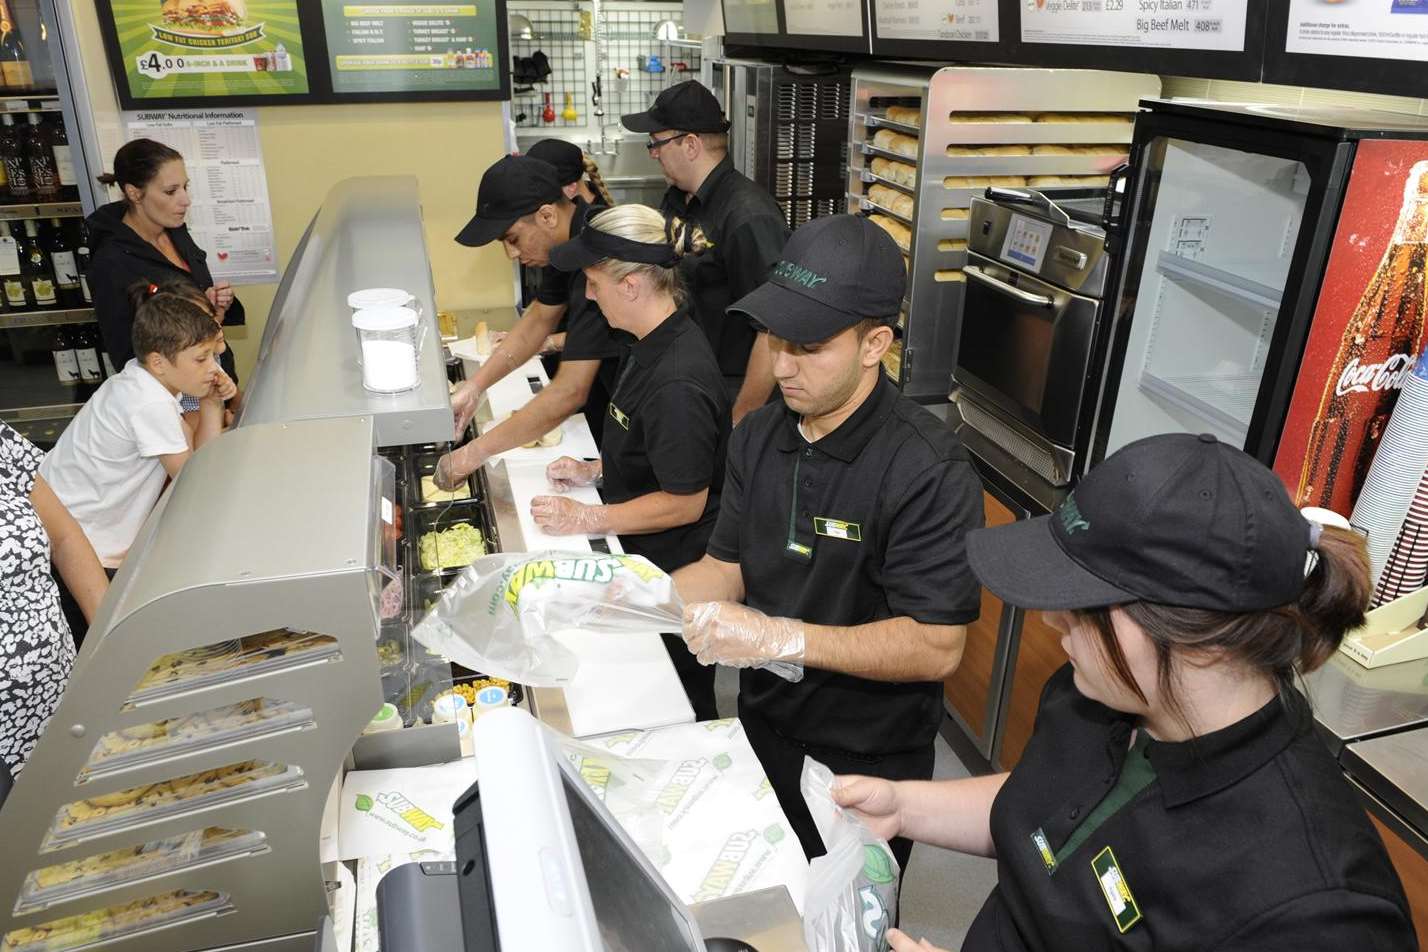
(1031, 337)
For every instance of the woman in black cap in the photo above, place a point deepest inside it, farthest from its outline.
(661, 463)
(1174, 795)
(579, 175)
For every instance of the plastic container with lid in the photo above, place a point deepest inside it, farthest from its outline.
(379, 297)
(388, 340)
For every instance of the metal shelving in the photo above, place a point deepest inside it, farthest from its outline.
(1071, 123)
(10, 320)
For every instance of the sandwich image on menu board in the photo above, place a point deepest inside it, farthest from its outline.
(204, 49)
(217, 16)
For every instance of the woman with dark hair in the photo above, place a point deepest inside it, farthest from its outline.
(1174, 795)
(579, 175)
(142, 239)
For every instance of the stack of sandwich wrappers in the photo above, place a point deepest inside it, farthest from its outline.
(694, 797)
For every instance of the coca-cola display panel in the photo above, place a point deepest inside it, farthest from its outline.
(1368, 327)
(1222, 249)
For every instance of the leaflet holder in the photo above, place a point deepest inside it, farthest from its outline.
(1392, 633)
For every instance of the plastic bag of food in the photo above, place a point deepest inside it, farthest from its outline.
(852, 890)
(501, 613)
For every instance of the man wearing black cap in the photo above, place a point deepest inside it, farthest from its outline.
(841, 531)
(688, 137)
(520, 203)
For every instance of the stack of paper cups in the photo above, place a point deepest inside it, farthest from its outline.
(1397, 469)
(1407, 567)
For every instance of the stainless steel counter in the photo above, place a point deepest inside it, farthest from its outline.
(1352, 702)
(367, 234)
(1394, 770)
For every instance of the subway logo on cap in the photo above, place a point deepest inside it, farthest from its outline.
(798, 274)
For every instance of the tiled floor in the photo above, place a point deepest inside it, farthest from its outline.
(941, 891)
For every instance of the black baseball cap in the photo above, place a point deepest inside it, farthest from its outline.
(565, 157)
(836, 271)
(1176, 519)
(686, 106)
(512, 188)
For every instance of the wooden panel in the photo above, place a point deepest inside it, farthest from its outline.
(969, 688)
(1413, 870)
(1038, 657)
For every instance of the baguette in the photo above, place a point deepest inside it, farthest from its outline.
(891, 199)
(988, 150)
(1083, 117)
(1053, 150)
(997, 117)
(883, 139)
(1079, 181)
(1100, 149)
(901, 234)
(905, 145)
(907, 115)
(982, 181)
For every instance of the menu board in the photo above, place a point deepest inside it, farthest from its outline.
(755, 17)
(405, 46)
(823, 17)
(1389, 29)
(1148, 24)
(204, 49)
(972, 21)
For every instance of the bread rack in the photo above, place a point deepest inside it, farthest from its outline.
(922, 359)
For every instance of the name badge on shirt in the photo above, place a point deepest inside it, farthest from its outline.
(619, 416)
(838, 529)
(1116, 890)
(1043, 849)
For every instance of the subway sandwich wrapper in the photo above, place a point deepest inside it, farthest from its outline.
(501, 614)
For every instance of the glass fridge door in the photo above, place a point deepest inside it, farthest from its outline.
(1216, 234)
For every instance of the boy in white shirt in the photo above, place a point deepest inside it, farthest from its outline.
(111, 462)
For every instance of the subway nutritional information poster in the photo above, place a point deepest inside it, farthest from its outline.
(412, 47)
(197, 49)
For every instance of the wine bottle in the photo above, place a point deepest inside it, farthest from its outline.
(81, 258)
(36, 265)
(14, 61)
(11, 277)
(86, 352)
(64, 158)
(44, 180)
(66, 361)
(12, 154)
(62, 261)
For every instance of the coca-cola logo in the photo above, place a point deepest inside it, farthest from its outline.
(1362, 378)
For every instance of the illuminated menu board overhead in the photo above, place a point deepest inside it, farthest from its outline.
(401, 46)
(967, 21)
(1217, 25)
(752, 17)
(1390, 30)
(823, 17)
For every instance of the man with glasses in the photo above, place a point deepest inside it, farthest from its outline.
(688, 137)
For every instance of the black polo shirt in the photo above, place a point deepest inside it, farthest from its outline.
(668, 430)
(748, 233)
(588, 336)
(1248, 839)
(866, 524)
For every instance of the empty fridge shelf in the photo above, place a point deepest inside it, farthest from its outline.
(1247, 290)
(1223, 399)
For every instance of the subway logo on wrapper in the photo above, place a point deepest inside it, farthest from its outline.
(598, 569)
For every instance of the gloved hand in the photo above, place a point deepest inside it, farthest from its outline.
(742, 637)
(568, 472)
(455, 466)
(463, 405)
(561, 515)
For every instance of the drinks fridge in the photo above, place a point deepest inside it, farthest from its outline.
(1270, 285)
(48, 161)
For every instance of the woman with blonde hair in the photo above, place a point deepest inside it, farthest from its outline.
(661, 465)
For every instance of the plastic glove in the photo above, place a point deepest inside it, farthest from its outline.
(567, 473)
(742, 637)
(560, 515)
(455, 466)
(463, 406)
(872, 800)
(900, 941)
